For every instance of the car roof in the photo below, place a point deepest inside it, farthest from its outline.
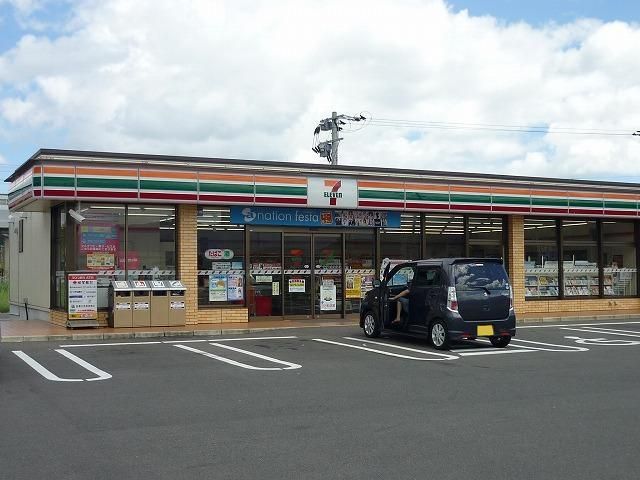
(452, 260)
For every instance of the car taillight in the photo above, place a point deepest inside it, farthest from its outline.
(452, 299)
(510, 298)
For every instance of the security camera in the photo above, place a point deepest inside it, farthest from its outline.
(76, 216)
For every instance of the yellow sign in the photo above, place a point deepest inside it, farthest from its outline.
(100, 261)
(353, 286)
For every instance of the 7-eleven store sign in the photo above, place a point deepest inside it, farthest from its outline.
(332, 192)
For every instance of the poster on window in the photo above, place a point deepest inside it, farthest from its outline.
(100, 261)
(353, 286)
(83, 296)
(296, 285)
(217, 288)
(328, 296)
(235, 287)
(99, 238)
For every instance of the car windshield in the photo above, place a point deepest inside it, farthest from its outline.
(489, 275)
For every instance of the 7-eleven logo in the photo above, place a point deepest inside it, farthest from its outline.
(333, 194)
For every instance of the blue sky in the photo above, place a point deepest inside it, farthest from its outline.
(229, 81)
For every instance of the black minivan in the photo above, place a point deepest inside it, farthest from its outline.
(450, 299)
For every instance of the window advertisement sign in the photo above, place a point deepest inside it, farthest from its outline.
(83, 296)
(99, 238)
(332, 192)
(353, 285)
(235, 287)
(328, 296)
(314, 217)
(100, 261)
(217, 288)
(296, 285)
(219, 254)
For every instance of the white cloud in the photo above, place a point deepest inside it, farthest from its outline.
(251, 79)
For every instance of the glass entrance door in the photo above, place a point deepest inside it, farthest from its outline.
(327, 271)
(297, 279)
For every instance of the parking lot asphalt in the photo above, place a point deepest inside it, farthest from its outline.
(560, 402)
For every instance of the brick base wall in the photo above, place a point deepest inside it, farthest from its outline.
(223, 315)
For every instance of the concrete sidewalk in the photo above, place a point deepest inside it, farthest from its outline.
(12, 330)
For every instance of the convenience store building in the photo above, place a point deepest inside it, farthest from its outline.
(255, 240)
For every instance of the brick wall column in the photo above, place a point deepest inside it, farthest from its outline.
(187, 256)
(516, 260)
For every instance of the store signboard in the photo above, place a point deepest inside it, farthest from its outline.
(83, 296)
(313, 217)
(332, 192)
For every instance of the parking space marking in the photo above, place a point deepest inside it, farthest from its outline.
(623, 333)
(560, 348)
(618, 342)
(159, 342)
(391, 354)
(288, 365)
(115, 344)
(46, 373)
(494, 352)
(576, 324)
(251, 338)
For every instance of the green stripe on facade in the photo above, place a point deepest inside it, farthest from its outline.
(585, 203)
(428, 197)
(107, 183)
(226, 188)
(37, 181)
(17, 193)
(510, 200)
(549, 202)
(380, 194)
(456, 198)
(280, 190)
(59, 182)
(618, 204)
(168, 185)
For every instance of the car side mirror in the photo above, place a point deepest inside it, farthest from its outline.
(377, 283)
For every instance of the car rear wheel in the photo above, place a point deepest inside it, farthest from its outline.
(371, 325)
(500, 342)
(438, 335)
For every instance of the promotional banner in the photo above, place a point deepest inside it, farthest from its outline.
(99, 238)
(328, 296)
(353, 286)
(235, 287)
(217, 288)
(83, 296)
(296, 285)
(313, 217)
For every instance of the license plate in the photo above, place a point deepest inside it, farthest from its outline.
(485, 330)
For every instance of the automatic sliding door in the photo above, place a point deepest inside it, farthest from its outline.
(327, 254)
(297, 275)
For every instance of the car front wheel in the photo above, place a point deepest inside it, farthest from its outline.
(438, 335)
(500, 342)
(371, 325)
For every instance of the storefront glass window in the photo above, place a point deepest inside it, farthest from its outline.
(359, 268)
(151, 243)
(402, 243)
(444, 236)
(221, 266)
(485, 237)
(541, 257)
(619, 259)
(580, 258)
(265, 274)
(58, 257)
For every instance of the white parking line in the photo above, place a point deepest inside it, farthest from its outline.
(391, 354)
(289, 366)
(120, 344)
(561, 348)
(101, 374)
(575, 325)
(494, 352)
(623, 333)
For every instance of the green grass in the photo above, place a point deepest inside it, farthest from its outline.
(4, 296)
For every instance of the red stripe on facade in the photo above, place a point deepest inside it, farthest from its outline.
(294, 201)
(37, 193)
(169, 196)
(475, 208)
(103, 194)
(502, 208)
(374, 203)
(225, 198)
(585, 211)
(53, 192)
(621, 213)
(428, 206)
(548, 210)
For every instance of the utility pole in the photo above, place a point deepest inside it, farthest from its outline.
(329, 148)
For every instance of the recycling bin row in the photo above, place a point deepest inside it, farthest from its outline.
(137, 303)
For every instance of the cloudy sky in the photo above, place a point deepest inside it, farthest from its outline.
(444, 82)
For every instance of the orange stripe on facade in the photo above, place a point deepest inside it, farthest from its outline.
(107, 172)
(55, 169)
(621, 196)
(287, 180)
(461, 188)
(548, 193)
(368, 184)
(574, 194)
(225, 177)
(168, 174)
(510, 191)
(37, 170)
(426, 187)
